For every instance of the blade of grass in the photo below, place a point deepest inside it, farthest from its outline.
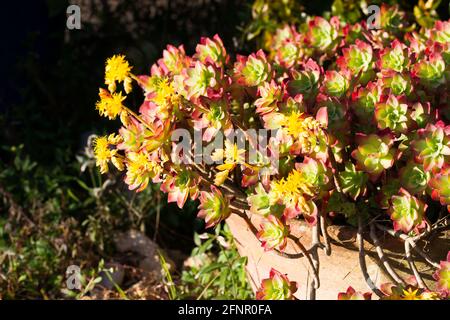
(169, 282)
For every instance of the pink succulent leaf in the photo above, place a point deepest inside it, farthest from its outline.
(351, 294)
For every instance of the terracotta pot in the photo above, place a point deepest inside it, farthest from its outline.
(339, 270)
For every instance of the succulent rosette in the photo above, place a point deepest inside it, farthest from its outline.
(364, 100)
(391, 113)
(214, 207)
(181, 185)
(442, 276)
(316, 175)
(213, 117)
(430, 70)
(282, 35)
(134, 136)
(352, 182)
(441, 32)
(174, 60)
(352, 294)
(273, 234)
(440, 185)
(432, 147)
(321, 34)
(398, 83)
(356, 58)
(253, 70)
(414, 178)
(200, 80)
(270, 94)
(305, 80)
(260, 201)
(212, 51)
(406, 211)
(395, 57)
(288, 54)
(276, 287)
(335, 83)
(374, 154)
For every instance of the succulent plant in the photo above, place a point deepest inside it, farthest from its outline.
(430, 70)
(356, 58)
(276, 287)
(212, 51)
(392, 113)
(440, 185)
(335, 83)
(273, 234)
(374, 154)
(351, 294)
(253, 70)
(432, 148)
(355, 121)
(442, 276)
(406, 211)
(214, 207)
(321, 33)
(180, 186)
(395, 57)
(260, 201)
(352, 182)
(414, 178)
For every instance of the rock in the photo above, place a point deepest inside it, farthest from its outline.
(148, 251)
(116, 275)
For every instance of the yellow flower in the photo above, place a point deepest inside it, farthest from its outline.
(410, 294)
(115, 139)
(291, 190)
(164, 92)
(102, 153)
(140, 169)
(110, 105)
(297, 124)
(233, 156)
(164, 96)
(117, 69)
(306, 131)
(139, 161)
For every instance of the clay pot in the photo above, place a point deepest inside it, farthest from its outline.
(339, 270)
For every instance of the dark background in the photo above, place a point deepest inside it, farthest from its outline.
(51, 75)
